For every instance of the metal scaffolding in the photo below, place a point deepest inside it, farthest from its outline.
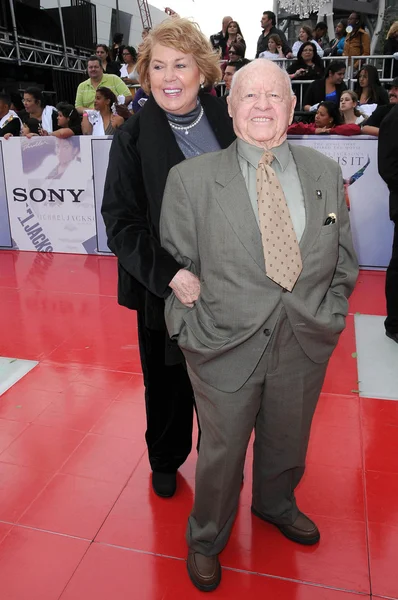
(145, 14)
(24, 50)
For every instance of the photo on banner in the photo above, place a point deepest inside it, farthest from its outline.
(50, 194)
(100, 152)
(366, 194)
(5, 230)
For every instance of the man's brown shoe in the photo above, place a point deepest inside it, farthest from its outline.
(303, 530)
(204, 571)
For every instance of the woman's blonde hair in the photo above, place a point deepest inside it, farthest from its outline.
(185, 36)
(393, 30)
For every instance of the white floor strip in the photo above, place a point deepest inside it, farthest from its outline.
(377, 359)
(12, 370)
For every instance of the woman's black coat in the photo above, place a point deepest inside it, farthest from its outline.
(317, 91)
(142, 153)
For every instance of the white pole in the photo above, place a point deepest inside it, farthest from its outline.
(379, 26)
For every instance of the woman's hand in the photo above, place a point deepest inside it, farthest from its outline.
(186, 287)
(300, 72)
(116, 121)
(7, 136)
(319, 130)
(30, 135)
(238, 37)
(43, 132)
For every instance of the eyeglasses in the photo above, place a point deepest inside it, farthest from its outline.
(252, 97)
(126, 54)
(231, 52)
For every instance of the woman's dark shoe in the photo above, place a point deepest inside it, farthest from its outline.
(164, 484)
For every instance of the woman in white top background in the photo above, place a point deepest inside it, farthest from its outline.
(349, 110)
(128, 72)
(305, 35)
(107, 115)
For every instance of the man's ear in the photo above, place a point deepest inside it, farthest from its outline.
(293, 106)
(229, 105)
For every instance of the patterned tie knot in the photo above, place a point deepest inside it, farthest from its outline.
(266, 158)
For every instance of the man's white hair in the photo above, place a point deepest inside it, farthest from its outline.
(254, 65)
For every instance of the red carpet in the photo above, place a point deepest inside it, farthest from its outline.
(78, 519)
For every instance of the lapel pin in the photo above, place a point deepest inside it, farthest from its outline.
(319, 194)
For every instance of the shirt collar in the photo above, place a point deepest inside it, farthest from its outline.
(252, 154)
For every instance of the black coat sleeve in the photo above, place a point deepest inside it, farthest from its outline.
(388, 149)
(313, 94)
(13, 127)
(126, 214)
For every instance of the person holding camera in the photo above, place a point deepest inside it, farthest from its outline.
(307, 66)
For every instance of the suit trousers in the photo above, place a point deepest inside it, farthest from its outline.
(169, 402)
(391, 323)
(278, 401)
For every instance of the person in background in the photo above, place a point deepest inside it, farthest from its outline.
(175, 62)
(305, 35)
(85, 95)
(117, 48)
(369, 88)
(329, 88)
(237, 53)
(327, 121)
(265, 317)
(107, 115)
(139, 100)
(108, 65)
(348, 109)
(308, 64)
(268, 21)
(219, 40)
(230, 70)
(128, 72)
(36, 107)
(9, 120)
(275, 50)
(319, 33)
(69, 122)
(391, 47)
(388, 169)
(357, 42)
(373, 123)
(16, 102)
(337, 44)
(233, 36)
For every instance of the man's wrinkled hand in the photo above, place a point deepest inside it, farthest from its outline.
(186, 287)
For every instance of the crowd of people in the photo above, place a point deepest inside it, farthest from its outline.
(97, 112)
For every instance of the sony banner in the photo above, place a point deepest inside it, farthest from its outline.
(50, 194)
(366, 194)
(5, 231)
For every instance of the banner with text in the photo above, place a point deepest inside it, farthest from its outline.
(366, 194)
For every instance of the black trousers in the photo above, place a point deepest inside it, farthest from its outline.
(169, 401)
(391, 323)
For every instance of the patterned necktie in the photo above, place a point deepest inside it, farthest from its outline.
(281, 249)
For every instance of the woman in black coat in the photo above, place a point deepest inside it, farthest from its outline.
(329, 88)
(175, 123)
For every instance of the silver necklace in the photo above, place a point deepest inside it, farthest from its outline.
(186, 129)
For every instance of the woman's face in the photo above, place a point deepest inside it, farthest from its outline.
(127, 56)
(339, 29)
(322, 118)
(307, 54)
(100, 103)
(25, 129)
(31, 105)
(338, 77)
(303, 37)
(100, 52)
(62, 120)
(271, 45)
(175, 79)
(363, 78)
(233, 54)
(346, 102)
(232, 28)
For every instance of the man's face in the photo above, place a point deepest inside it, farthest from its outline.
(94, 70)
(228, 74)
(265, 21)
(352, 19)
(225, 22)
(262, 105)
(393, 95)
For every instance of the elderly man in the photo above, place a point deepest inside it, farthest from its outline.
(263, 229)
(97, 78)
